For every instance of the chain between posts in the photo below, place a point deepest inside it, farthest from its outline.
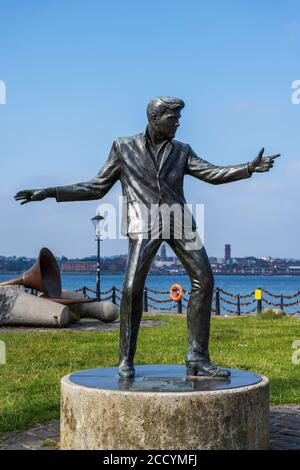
(219, 299)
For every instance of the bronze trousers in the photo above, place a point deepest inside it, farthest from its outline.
(196, 263)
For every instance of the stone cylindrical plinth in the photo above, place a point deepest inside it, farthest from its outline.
(162, 409)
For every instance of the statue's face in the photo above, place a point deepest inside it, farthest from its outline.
(167, 123)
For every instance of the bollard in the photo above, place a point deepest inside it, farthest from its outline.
(145, 300)
(179, 306)
(238, 305)
(218, 312)
(113, 295)
(281, 303)
(258, 298)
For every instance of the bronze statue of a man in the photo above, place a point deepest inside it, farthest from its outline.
(151, 167)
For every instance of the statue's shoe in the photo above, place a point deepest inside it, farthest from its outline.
(126, 369)
(206, 368)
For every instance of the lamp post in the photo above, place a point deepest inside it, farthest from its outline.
(98, 223)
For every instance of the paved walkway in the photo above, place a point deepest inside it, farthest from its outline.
(83, 326)
(284, 432)
(285, 427)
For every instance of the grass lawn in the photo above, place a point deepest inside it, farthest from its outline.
(29, 381)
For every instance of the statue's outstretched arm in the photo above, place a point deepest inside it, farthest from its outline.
(215, 174)
(96, 188)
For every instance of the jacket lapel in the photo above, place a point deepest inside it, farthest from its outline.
(166, 154)
(148, 153)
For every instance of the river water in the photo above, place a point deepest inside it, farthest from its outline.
(286, 285)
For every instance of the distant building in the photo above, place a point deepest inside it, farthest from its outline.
(78, 266)
(294, 268)
(160, 263)
(163, 253)
(227, 253)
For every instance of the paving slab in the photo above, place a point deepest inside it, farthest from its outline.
(88, 326)
(46, 436)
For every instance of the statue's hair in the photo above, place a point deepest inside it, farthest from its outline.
(160, 104)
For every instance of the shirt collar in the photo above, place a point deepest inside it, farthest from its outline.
(147, 138)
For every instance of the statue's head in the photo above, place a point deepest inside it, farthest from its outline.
(163, 115)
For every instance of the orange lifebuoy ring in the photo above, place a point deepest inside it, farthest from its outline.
(176, 292)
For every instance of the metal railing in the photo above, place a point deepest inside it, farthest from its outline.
(223, 302)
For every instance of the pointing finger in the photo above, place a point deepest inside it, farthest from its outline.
(18, 198)
(275, 156)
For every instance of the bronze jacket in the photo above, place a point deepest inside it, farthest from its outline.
(144, 185)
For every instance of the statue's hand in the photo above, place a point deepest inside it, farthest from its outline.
(261, 164)
(29, 195)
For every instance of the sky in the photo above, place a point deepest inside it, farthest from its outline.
(79, 73)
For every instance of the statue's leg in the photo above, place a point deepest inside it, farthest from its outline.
(140, 255)
(197, 265)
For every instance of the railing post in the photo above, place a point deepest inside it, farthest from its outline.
(238, 305)
(84, 291)
(179, 306)
(259, 306)
(145, 299)
(281, 303)
(218, 312)
(258, 297)
(113, 295)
